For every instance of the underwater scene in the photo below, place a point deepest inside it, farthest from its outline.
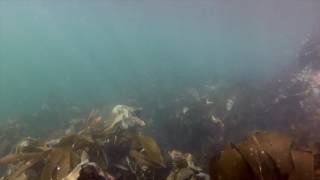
(159, 90)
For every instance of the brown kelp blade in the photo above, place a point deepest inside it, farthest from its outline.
(51, 164)
(303, 165)
(152, 150)
(65, 163)
(11, 158)
(140, 159)
(21, 169)
(75, 140)
(230, 165)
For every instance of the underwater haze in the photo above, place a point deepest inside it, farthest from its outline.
(82, 52)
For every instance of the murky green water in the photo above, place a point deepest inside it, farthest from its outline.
(89, 52)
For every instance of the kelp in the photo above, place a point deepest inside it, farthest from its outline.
(141, 159)
(260, 155)
(75, 140)
(303, 165)
(65, 164)
(51, 164)
(145, 156)
(59, 158)
(278, 146)
(12, 158)
(263, 156)
(74, 173)
(183, 160)
(31, 145)
(259, 161)
(151, 150)
(181, 174)
(23, 167)
(230, 165)
(184, 167)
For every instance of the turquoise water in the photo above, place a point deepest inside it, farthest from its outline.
(108, 51)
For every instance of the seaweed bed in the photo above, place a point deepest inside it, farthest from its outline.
(230, 131)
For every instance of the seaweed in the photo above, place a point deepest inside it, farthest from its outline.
(65, 157)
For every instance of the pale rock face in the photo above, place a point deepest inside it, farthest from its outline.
(185, 110)
(217, 121)
(315, 80)
(122, 111)
(125, 116)
(229, 104)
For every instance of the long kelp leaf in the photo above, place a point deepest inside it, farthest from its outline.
(64, 166)
(152, 150)
(75, 140)
(24, 167)
(11, 158)
(51, 164)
